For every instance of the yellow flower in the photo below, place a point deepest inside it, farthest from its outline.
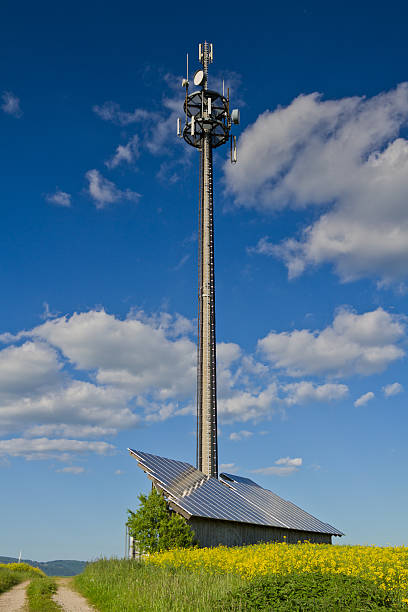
(387, 566)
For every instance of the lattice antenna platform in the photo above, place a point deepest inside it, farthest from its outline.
(207, 125)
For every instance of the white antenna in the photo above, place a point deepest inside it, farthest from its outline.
(209, 106)
(192, 125)
(184, 82)
(211, 53)
(200, 52)
(178, 127)
(223, 88)
(235, 116)
(233, 149)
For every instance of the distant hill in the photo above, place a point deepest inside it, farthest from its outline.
(61, 567)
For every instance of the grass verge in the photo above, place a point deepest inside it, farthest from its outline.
(132, 586)
(9, 579)
(14, 573)
(39, 595)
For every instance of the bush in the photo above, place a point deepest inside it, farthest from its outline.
(303, 592)
(155, 528)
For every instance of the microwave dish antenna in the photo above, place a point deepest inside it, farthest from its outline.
(198, 77)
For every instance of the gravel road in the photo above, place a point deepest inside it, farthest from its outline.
(69, 600)
(14, 600)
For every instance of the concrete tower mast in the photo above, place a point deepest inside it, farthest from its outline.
(208, 122)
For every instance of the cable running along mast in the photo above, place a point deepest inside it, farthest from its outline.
(208, 122)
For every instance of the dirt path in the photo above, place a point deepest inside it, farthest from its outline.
(70, 600)
(14, 600)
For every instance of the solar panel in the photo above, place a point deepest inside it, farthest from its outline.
(198, 494)
(293, 516)
(233, 498)
(233, 478)
(179, 476)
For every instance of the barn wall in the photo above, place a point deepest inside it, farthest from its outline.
(212, 533)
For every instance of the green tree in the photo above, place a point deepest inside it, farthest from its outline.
(155, 527)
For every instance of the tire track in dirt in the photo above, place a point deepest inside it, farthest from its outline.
(69, 600)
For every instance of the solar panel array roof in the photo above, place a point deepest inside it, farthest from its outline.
(232, 498)
(287, 513)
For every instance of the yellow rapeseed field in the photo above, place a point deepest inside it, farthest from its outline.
(21, 567)
(387, 566)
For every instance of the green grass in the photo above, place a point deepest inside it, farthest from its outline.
(13, 574)
(9, 579)
(132, 586)
(39, 595)
(39, 591)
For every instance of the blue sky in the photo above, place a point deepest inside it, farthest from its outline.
(98, 263)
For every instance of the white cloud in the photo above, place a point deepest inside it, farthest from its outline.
(11, 105)
(60, 198)
(135, 355)
(119, 472)
(240, 435)
(111, 111)
(346, 154)
(105, 192)
(156, 128)
(31, 368)
(37, 395)
(156, 411)
(73, 469)
(283, 467)
(91, 374)
(127, 153)
(48, 314)
(247, 405)
(227, 353)
(363, 399)
(163, 131)
(138, 365)
(44, 448)
(306, 391)
(392, 389)
(226, 467)
(354, 343)
(70, 408)
(74, 431)
(296, 461)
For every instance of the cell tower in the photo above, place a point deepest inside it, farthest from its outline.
(208, 122)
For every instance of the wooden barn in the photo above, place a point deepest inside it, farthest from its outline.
(231, 510)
